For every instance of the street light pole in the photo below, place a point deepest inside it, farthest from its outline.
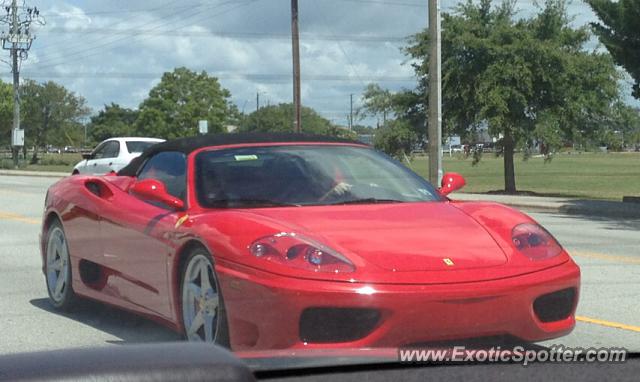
(295, 41)
(435, 95)
(351, 112)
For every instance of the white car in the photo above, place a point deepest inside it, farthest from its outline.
(113, 154)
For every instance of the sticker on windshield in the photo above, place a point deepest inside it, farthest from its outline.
(240, 158)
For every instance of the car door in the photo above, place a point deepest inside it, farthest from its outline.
(137, 237)
(104, 163)
(102, 158)
(88, 165)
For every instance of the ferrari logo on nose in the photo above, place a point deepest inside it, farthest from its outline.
(448, 261)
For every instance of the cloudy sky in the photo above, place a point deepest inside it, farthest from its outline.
(116, 50)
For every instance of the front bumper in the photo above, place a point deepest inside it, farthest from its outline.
(264, 311)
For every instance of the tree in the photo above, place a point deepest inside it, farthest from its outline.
(531, 79)
(623, 128)
(278, 118)
(50, 112)
(619, 31)
(181, 99)
(360, 129)
(396, 139)
(377, 102)
(112, 121)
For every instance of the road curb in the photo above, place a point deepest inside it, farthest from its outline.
(622, 213)
(602, 209)
(577, 207)
(39, 174)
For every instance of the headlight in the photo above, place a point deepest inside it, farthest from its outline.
(300, 252)
(535, 242)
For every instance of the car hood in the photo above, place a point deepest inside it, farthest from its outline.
(422, 243)
(403, 237)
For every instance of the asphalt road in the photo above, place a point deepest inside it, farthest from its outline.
(608, 251)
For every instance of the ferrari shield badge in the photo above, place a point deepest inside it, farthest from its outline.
(448, 262)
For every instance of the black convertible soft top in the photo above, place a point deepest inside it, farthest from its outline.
(190, 144)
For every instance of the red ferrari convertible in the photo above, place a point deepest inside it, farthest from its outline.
(292, 241)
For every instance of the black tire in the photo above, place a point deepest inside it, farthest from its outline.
(221, 336)
(65, 299)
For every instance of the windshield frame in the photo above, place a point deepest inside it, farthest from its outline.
(195, 155)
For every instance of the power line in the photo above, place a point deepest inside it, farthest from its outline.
(97, 50)
(129, 11)
(394, 3)
(158, 24)
(121, 21)
(263, 77)
(242, 35)
(344, 53)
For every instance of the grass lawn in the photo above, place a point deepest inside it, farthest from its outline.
(585, 175)
(48, 162)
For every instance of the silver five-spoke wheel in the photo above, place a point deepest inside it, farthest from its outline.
(201, 300)
(58, 268)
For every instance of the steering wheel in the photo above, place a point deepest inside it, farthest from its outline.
(360, 190)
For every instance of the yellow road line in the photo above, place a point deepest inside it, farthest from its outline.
(608, 324)
(18, 218)
(614, 258)
(601, 256)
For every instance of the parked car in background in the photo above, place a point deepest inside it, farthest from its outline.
(70, 149)
(53, 150)
(451, 149)
(113, 154)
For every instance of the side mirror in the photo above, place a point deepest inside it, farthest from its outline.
(451, 181)
(154, 190)
(87, 156)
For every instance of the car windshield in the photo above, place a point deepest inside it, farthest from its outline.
(137, 147)
(304, 176)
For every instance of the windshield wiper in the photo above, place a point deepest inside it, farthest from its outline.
(249, 202)
(366, 201)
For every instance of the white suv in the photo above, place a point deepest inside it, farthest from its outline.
(113, 154)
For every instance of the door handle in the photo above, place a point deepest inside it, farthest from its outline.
(95, 164)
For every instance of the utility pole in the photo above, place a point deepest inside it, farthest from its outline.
(16, 83)
(18, 42)
(351, 112)
(435, 95)
(295, 42)
(257, 108)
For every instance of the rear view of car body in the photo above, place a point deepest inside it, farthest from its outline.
(113, 154)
